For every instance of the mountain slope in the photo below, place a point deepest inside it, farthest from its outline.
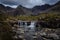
(55, 8)
(37, 9)
(22, 11)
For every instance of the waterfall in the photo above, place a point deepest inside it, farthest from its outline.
(24, 28)
(27, 25)
(32, 26)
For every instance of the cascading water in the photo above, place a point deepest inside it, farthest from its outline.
(28, 27)
(32, 26)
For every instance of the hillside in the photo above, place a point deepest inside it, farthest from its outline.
(55, 8)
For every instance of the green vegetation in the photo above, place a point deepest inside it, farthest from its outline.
(42, 16)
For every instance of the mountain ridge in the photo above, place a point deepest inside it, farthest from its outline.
(20, 10)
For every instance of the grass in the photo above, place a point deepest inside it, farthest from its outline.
(42, 16)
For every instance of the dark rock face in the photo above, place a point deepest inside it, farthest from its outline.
(28, 23)
(50, 24)
(49, 30)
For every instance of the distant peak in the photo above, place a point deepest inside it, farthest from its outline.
(19, 6)
(58, 3)
(1, 5)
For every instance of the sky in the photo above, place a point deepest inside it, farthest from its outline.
(26, 3)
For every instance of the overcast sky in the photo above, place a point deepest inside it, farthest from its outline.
(26, 3)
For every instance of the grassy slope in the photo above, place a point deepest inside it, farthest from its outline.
(44, 16)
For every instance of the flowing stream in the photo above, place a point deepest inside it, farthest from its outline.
(29, 29)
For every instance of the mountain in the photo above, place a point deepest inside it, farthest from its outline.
(5, 8)
(20, 10)
(46, 8)
(9, 8)
(41, 8)
(57, 7)
(54, 8)
(2, 7)
(58, 3)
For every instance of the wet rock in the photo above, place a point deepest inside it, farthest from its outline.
(50, 34)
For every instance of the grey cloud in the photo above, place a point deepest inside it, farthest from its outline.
(51, 1)
(27, 3)
(9, 2)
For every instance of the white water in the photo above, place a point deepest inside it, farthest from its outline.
(32, 26)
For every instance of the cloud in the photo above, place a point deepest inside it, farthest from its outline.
(27, 3)
(32, 3)
(51, 1)
(13, 6)
(9, 2)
